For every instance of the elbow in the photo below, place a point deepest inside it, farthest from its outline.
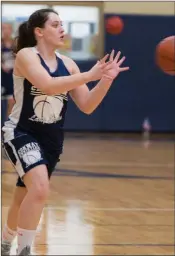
(87, 111)
(86, 108)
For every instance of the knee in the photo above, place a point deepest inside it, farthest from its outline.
(40, 191)
(37, 183)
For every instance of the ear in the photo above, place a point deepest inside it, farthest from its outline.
(38, 32)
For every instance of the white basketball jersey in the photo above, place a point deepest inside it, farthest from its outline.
(37, 113)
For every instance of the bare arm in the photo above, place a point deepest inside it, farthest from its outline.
(87, 101)
(28, 63)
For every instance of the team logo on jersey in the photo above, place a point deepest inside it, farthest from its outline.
(47, 109)
(30, 153)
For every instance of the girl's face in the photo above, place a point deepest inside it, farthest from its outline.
(53, 32)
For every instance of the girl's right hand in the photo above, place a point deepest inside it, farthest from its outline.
(97, 71)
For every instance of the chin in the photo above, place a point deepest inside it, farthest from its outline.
(60, 44)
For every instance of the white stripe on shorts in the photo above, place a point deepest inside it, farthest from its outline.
(18, 165)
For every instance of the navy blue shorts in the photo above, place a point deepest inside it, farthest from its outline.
(25, 153)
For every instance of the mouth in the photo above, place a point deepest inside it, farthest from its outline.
(62, 37)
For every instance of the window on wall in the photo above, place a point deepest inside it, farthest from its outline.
(81, 25)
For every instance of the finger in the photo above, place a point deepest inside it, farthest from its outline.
(117, 56)
(106, 64)
(124, 69)
(121, 61)
(111, 58)
(104, 59)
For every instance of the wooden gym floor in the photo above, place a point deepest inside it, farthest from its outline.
(109, 196)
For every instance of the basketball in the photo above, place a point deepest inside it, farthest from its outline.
(165, 55)
(114, 25)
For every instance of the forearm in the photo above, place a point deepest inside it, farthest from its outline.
(66, 83)
(96, 95)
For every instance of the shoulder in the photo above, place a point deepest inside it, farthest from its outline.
(25, 51)
(27, 55)
(70, 64)
(24, 59)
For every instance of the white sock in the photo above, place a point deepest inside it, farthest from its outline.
(25, 238)
(8, 234)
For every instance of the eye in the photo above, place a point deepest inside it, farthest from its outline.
(55, 25)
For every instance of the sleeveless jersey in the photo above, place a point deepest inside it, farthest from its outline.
(36, 113)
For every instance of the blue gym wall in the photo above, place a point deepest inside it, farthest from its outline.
(144, 91)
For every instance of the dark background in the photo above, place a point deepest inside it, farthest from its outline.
(144, 91)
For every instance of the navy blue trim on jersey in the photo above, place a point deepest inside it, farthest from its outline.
(41, 115)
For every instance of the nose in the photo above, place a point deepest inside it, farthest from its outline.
(62, 30)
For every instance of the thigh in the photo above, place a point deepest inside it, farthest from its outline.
(37, 178)
(25, 153)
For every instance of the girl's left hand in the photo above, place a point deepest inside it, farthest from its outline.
(114, 68)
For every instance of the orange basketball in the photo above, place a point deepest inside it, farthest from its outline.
(165, 55)
(114, 25)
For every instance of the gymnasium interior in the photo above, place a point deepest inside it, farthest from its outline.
(112, 193)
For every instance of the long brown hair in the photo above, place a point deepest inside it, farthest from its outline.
(26, 36)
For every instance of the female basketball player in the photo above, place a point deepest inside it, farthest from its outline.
(33, 135)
